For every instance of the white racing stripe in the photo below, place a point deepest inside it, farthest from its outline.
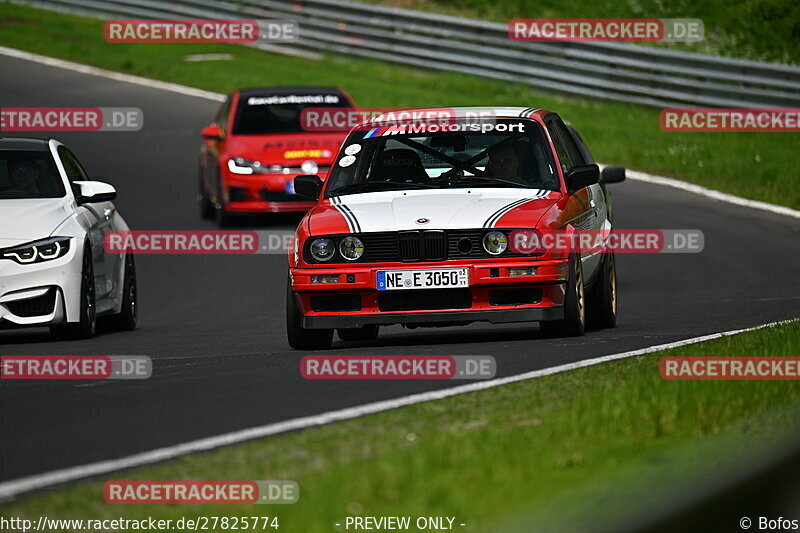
(712, 194)
(16, 487)
(109, 74)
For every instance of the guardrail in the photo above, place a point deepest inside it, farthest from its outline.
(615, 71)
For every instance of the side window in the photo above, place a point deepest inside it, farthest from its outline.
(74, 169)
(568, 152)
(563, 155)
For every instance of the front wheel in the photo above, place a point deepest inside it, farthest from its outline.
(574, 322)
(299, 337)
(86, 327)
(603, 295)
(129, 314)
(206, 207)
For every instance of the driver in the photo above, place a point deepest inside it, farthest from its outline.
(505, 160)
(24, 175)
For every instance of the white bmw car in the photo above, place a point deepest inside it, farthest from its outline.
(54, 270)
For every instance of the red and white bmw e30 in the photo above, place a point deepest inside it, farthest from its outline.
(416, 222)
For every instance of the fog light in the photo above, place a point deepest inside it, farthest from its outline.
(322, 279)
(524, 271)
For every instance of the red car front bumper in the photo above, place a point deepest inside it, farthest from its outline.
(263, 193)
(493, 295)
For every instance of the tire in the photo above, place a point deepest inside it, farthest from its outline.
(300, 338)
(574, 322)
(365, 333)
(206, 207)
(127, 318)
(602, 297)
(86, 327)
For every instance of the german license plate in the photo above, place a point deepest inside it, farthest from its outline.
(389, 280)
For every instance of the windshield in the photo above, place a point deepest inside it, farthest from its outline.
(264, 114)
(28, 174)
(507, 153)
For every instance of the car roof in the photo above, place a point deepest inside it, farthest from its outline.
(280, 91)
(474, 112)
(23, 143)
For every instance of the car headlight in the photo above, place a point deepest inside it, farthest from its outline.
(38, 251)
(309, 167)
(495, 242)
(322, 249)
(351, 248)
(240, 165)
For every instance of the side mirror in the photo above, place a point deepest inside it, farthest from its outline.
(582, 176)
(613, 175)
(308, 186)
(211, 132)
(90, 192)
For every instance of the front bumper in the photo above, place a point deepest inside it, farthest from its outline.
(493, 296)
(41, 294)
(263, 193)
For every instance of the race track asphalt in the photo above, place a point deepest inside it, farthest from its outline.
(214, 325)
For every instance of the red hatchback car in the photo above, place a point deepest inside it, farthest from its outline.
(255, 147)
(420, 226)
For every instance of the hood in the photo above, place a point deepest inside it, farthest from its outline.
(431, 209)
(287, 149)
(26, 220)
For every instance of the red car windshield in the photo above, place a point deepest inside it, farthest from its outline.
(508, 153)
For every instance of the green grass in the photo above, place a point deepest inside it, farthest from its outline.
(753, 165)
(768, 30)
(565, 452)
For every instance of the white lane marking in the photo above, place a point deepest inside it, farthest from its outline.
(117, 76)
(712, 194)
(208, 95)
(11, 489)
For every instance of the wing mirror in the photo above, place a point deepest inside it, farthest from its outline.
(308, 186)
(212, 132)
(582, 176)
(90, 192)
(612, 175)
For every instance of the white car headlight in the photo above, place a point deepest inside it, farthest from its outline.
(240, 165)
(351, 248)
(495, 242)
(322, 249)
(38, 251)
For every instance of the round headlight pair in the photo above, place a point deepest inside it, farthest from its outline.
(495, 242)
(323, 249)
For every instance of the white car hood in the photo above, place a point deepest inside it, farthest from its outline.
(25, 220)
(443, 209)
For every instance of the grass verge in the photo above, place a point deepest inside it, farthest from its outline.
(753, 165)
(565, 452)
(759, 29)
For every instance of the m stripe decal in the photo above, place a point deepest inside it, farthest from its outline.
(352, 221)
(492, 220)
